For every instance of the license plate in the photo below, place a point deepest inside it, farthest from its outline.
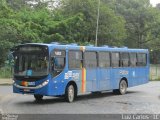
(26, 90)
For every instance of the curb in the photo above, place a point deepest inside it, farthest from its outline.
(4, 81)
(5, 84)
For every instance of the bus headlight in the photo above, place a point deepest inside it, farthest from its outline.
(43, 84)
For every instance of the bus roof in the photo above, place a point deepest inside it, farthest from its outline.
(89, 48)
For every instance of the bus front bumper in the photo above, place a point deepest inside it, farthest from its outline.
(41, 89)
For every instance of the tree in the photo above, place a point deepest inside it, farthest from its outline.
(141, 21)
(111, 26)
(8, 32)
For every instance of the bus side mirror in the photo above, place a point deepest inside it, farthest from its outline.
(10, 58)
(52, 64)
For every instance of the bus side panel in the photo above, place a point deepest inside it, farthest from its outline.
(139, 76)
(145, 75)
(76, 76)
(131, 78)
(60, 82)
(103, 79)
(117, 74)
(57, 86)
(115, 78)
(91, 82)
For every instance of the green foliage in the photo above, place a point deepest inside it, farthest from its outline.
(142, 21)
(5, 72)
(111, 26)
(132, 23)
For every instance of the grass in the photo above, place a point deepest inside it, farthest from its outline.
(155, 72)
(5, 72)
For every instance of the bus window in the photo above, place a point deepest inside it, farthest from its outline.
(141, 57)
(75, 59)
(90, 59)
(133, 59)
(115, 59)
(104, 59)
(57, 61)
(37, 64)
(124, 59)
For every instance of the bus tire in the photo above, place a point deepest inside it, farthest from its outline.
(38, 97)
(122, 88)
(70, 93)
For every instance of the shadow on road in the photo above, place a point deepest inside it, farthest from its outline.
(159, 97)
(100, 95)
(54, 100)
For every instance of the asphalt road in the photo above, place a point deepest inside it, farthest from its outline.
(141, 99)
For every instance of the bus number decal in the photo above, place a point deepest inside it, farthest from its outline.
(123, 72)
(58, 53)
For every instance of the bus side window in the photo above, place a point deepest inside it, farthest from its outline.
(124, 59)
(57, 62)
(133, 59)
(115, 59)
(141, 59)
(90, 59)
(104, 59)
(75, 59)
(52, 63)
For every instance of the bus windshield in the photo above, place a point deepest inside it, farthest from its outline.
(31, 61)
(31, 65)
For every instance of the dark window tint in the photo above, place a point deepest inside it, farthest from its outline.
(37, 64)
(75, 59)
(104, 59)
(115, 59)
(133, 59)
(124, 59)
(59, 63)
(90, 59)
(141, 59)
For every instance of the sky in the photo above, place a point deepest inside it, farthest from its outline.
(154, 2)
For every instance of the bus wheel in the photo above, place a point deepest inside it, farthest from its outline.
(70, 93)
(38, 97)
(122, 88)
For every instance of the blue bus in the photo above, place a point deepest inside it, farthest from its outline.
(69, 70)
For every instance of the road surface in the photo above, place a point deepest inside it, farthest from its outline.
(141, 99)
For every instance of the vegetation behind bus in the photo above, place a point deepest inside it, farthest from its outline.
(6, 71)
(132, 23)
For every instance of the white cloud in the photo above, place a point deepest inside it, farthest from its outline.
(154, 2)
